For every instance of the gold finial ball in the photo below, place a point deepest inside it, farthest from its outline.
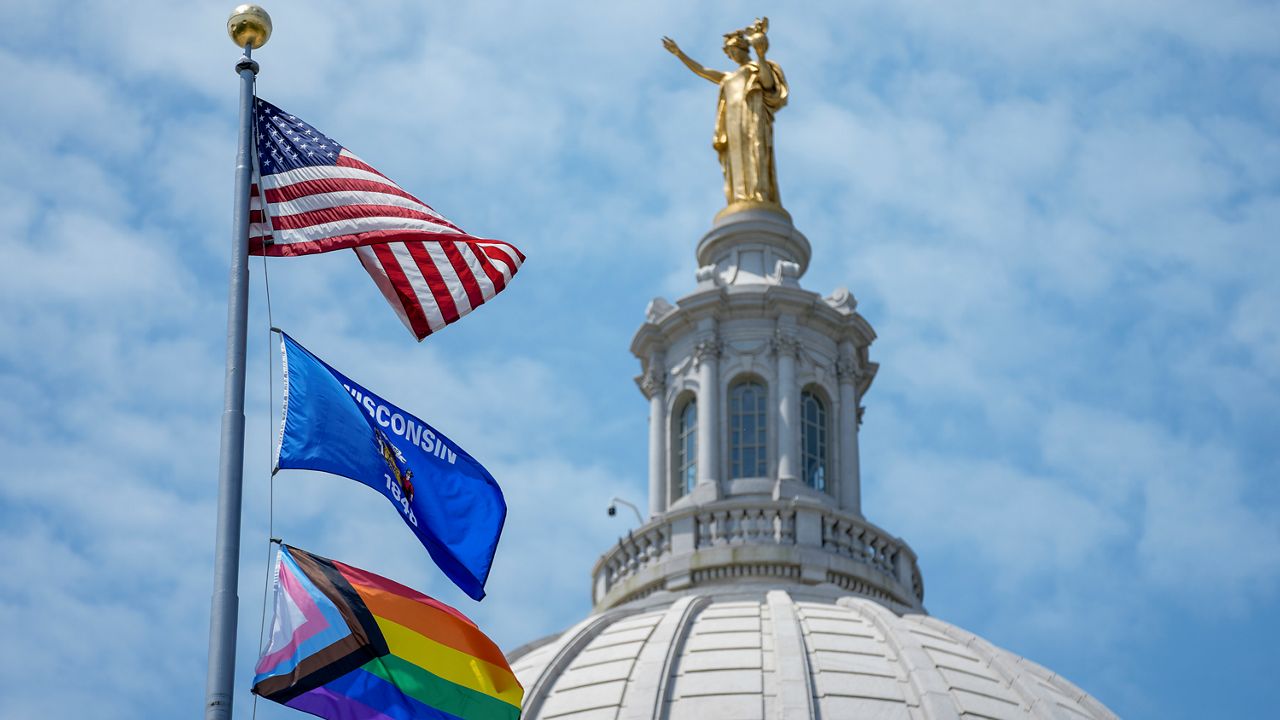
(249, 25)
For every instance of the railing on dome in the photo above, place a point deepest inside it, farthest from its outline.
(862, 542)
(750, 524)
(636, 551)
(793, 539)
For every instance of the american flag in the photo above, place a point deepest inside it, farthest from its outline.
(311, 195)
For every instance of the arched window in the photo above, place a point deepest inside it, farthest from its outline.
(813, 440)
(686, 454)
(747, 425)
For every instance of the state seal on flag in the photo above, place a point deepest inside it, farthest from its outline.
(397, 467)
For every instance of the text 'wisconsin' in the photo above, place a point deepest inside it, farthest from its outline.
(403, 427)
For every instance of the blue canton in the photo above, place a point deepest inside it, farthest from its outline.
(287, 143)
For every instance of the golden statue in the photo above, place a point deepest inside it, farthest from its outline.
(749, 96)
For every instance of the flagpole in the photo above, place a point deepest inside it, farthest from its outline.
(249, 27)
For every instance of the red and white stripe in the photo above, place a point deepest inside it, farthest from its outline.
(431, 284)
(430, 271)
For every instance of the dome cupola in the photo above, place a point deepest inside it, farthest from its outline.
(755, 386)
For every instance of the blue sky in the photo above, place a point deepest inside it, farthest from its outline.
(1060, 219)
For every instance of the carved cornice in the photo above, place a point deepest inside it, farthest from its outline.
(783, 343)
(755, 228)
(707, 350)
(658, 308)
(652, 382)
(842, 301)
(750, 302)
(787, 273)
(848, 370)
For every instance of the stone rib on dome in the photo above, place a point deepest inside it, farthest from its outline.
(797, 652)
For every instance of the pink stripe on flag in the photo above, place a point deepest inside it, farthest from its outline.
(312, 624)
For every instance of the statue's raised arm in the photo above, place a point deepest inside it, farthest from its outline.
(698, 69)
(749, 97)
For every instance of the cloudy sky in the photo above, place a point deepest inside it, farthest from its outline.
(1061, 218)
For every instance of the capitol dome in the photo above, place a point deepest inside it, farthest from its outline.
(785, 652)
(757, 588)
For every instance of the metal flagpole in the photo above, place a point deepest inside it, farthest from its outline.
(249, 26)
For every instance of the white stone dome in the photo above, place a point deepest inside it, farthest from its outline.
(757, 587)
(740, 652)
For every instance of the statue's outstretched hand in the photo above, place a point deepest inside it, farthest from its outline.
(714, 76)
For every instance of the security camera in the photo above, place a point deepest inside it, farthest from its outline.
(615, 501)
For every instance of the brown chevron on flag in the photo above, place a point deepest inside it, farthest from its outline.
(311, 195)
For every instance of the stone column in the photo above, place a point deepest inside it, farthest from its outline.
(653, 384)
(788, 396)
(707, 357)
(847, 425)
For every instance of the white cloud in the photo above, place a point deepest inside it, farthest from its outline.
(1060, 220)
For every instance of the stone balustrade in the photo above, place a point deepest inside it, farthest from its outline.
(739, 525)
(638, 550)
(853, 538)
(736, 539)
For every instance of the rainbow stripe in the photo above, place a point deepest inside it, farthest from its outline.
(347, 644)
